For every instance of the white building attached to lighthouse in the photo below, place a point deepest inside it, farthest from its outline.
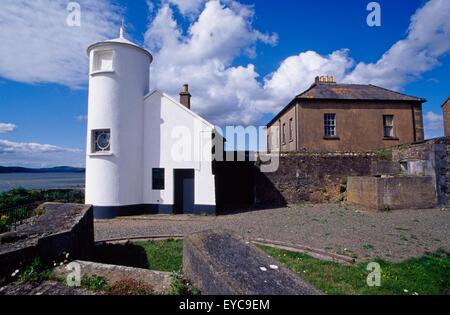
(146, 152)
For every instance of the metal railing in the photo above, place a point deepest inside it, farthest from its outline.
(10, 218)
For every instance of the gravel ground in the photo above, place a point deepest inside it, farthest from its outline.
(341, 229)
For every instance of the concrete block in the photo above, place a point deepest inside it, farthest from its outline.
(220, 263)
(397, 192)
(63, 228)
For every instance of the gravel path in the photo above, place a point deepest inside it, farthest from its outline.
(341, 229)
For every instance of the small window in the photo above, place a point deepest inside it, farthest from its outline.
(291, 129)
(330, 125)
(284, 133)
(101, 141)
(158, 179)
(388, 124)
(103, 61)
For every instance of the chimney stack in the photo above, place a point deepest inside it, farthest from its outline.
(324, 79)
(185, 96)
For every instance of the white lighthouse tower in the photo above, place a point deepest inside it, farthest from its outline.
(118, 81)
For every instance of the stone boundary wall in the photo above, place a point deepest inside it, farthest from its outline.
(313, 177)
(61, 229)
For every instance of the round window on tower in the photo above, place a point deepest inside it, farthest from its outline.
(101, 140)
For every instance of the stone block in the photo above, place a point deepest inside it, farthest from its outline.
(220, 263)
(158, 281)
(397, 192)
(63, 228)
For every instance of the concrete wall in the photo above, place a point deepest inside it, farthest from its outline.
(363, 191)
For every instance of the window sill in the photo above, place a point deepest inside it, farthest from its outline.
(331, 138)
(100, 154)
(94, 73)
(391, 139)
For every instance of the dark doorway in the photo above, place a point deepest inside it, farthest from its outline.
(184, 191)
(235, 183)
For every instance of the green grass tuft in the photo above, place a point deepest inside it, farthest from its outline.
(426, 275)
(163, 255)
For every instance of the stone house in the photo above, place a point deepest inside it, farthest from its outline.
(446, 110)
(331, 117)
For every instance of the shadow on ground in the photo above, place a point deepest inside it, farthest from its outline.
(121, 254)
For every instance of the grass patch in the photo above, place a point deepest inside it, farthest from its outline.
(124, 287)
(34, 272)
(180, 286)
(94, 283)
(163, 255)
(429, 274)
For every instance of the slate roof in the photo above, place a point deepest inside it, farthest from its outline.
(333, 91)
(355, 92)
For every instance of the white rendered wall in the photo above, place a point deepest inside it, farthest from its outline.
(116, 103)
(162, 116)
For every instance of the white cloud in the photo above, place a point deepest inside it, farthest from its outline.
(223, 93)
(38, 155)
(434, 124)
(37, 46)
(297, 73)
(7, 147)
(188, 7)
(202, 58)
(7, 127)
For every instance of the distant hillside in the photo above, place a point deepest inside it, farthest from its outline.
(59, 169)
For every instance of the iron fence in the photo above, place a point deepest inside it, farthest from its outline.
(10, 218)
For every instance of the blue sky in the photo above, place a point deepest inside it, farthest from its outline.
(243, 59)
